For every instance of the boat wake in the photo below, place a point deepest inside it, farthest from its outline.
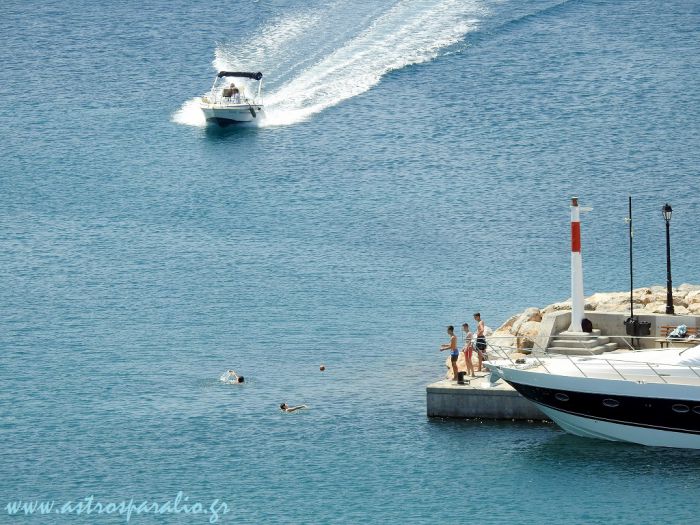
(309, 76)
(190, 114)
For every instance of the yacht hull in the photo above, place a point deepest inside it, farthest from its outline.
(612, 431)
(654, 414)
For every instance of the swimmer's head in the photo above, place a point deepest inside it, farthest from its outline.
(283, 406)
(241, 379)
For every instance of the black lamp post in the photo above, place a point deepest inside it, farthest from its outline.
(667, 210)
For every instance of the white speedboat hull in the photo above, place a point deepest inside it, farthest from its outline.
(226, 115)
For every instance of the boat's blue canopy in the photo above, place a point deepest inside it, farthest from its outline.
(254, 76)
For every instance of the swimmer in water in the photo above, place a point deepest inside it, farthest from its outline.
(233, 377)
(286, 408)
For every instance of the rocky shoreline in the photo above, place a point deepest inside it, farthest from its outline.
(647, 300)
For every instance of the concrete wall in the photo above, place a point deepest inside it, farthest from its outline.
(489, 403)
(551, 324)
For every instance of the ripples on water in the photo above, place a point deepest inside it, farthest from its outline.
(424, 173)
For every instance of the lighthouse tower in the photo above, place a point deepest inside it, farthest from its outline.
(574, 341)
(576, 269)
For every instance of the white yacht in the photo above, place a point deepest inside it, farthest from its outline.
(647, 397)
(232, 99)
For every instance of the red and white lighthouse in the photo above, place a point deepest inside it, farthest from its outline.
(576, 268)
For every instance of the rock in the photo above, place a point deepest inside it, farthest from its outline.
(556, 307)
(609, 297)
(528, 333)
(615, 307)
(679, 301)
(693, 297)
(505, 326)
(694, 308)
(522, 318)
(502, 338)
(616, 301)
(655, 308)
(533, 314)
(529, 329)
(646, 299)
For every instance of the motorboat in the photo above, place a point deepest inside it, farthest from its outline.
(646, 397)
(232, 99)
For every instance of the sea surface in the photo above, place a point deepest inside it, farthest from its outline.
(415, 166)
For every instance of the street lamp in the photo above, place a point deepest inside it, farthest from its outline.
(666, 211)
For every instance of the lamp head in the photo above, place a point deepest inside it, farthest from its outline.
(667, 211)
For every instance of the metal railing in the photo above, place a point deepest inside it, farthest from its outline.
(503, 353)
(220, 100)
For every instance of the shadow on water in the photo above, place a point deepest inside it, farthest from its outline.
(543, 444)
(570, 451)
(491, 424)
(234, 132)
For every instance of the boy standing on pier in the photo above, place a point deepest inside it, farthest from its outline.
(468, 349)
(452, 347)
(480, 340)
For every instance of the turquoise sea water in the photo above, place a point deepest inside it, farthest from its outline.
(416, 168)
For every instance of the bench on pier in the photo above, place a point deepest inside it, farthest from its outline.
(664, 341)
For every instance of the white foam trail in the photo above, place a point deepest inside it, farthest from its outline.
(266, 53)
(346, 62)
(410, 32)
(190, 114)
(268, 48)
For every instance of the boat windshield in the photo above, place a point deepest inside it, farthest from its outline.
(234, 90)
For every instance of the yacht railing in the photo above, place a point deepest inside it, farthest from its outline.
(537, 352)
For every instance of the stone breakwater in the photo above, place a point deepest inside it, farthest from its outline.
(650, 300)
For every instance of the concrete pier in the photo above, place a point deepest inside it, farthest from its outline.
(479, 399)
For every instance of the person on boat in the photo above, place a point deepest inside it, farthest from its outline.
(227, 92)
(284, 407)
(452, 347)
(480, 341)
(232, 377)
(236, 96)
(468, 349)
